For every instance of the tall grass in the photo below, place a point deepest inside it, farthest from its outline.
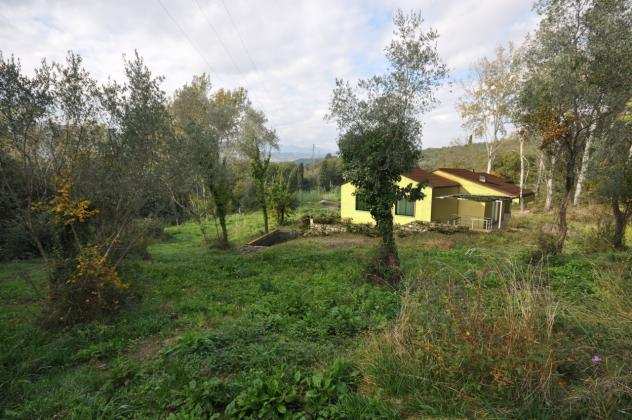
(467, 349)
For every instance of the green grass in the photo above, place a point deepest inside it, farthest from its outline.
(206, 321)
(295, 328)
(311, 197)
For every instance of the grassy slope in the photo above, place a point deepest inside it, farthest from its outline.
(212, 325)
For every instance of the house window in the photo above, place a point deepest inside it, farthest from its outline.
(405, 207)
(360, 203)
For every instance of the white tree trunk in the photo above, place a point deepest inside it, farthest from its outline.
(549, 184)
(583, 170)
(541, 169)
(521, 173)
(490, 155)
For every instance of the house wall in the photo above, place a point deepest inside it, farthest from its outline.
(469, 210)
(423, 208)
(444, 209)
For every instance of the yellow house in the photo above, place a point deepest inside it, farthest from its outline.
(454, 196)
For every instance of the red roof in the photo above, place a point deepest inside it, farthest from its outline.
(435, 181)
(492, 181)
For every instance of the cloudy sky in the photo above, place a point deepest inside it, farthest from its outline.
(287, 53)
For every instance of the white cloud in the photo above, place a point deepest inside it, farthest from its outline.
(298, 47)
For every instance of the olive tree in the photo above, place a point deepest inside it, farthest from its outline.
(380, 131)
(88, 158)
(578, 79)
(207, 124)
(255, 144)
(614, 176)
(25, 104)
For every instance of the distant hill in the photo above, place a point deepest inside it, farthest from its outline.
(289, 153)
(467, 156)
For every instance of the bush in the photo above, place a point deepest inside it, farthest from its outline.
(457, 353)
(142, 233)
(547, 247)
(17, 243)
(324, 217)
(361, 228)
(83, 288)
(599, 238)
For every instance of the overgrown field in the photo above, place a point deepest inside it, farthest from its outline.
(294, 329)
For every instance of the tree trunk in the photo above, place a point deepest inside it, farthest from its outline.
(489, 158)
(549, 184)
(264, 210)
(562, 225)
(260, 185)
(569, 183)
(583, 169)
(281, 217)
(28, 221)
(521, 174)
(541, 169)
(618, 238)
(385, 228)
(221, 215)
(387, 264)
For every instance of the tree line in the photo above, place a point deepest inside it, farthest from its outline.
(567, 90)
(89, 171)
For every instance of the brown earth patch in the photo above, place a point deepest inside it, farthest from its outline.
(344, 241)
(442, 243)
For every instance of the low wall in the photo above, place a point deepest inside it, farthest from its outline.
(322, 229)
(274, 237)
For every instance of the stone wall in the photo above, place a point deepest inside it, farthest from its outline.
(420, 227)
(325, 229)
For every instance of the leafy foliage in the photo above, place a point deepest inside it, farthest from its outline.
(486, 107)
(255, 144)
(380, 131)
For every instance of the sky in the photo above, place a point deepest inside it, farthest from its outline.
(286, 53)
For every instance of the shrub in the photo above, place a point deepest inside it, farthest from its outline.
(135, 240)
(17, 243)
(84, 288)
(83, 281)
(324, 217)
(599, 238)
(454, 352)
(546, 247)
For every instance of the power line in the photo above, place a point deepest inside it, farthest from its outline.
(226, 50)
(193, 45)
(186, 36)
(243, 44)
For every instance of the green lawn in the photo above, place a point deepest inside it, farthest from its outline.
(296, 329)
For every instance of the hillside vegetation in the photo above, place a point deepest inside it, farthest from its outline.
(472, 156)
